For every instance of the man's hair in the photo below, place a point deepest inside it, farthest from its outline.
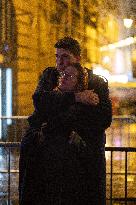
(70, 44)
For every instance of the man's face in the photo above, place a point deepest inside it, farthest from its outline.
(65, 58)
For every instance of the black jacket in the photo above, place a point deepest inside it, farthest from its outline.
(49, 81)
(56, 170)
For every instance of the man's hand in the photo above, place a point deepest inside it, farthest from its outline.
(88, 97)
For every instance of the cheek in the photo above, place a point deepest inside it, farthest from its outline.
(73, 84)
(63, 83)
(67, 62)
(57, 61)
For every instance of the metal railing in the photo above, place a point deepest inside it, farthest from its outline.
(127, 150)
(12, 128)
(122, 124)
(8, 147)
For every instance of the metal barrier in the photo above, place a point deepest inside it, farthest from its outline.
(8, 146)
(12, 128)
(111, 148)
(126, 150)
(121, 125)
(121, 132)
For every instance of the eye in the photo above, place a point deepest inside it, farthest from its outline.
(66, 56)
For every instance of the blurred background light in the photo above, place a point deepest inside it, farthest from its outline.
(128, 22)
(1, 58)
(99, 70)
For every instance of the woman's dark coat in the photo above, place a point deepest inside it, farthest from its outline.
(55, 172)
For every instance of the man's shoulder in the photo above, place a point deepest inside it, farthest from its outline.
(96, 80)
(99, 78)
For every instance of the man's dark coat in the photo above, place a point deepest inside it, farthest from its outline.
(56, 172)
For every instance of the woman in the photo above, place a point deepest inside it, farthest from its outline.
(55, 168)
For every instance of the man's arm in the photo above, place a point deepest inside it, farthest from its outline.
(88, 97)
(48, 81)
(98, 98)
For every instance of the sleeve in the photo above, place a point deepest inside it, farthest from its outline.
(49, 104)
(61, 123)
(104, 109)
(88, 118)
(48, 81)
(80, 118)
(76, 116)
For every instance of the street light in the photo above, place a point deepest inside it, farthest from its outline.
(128, 22)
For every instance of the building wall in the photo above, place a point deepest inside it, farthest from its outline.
(27, 55)
(40, 24)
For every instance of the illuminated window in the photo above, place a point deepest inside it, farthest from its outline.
(5, 100)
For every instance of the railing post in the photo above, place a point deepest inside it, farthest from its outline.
(111, 180)
(126, 177)
(9, 175)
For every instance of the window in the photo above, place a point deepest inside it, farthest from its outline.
(5, 100)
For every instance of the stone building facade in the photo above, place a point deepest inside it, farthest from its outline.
(30, 30)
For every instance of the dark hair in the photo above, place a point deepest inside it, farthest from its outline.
(82, 77)
(48, 80)
(70, 44)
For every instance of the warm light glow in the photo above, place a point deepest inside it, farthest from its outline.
(119, 63)
(9, 94)
(106, 59)
(1, 58)
(118, 78)
(99, 70)
(111, 46)
(130, 178)
(119, 44)
(128, 23)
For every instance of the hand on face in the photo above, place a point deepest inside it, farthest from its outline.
(88, 97)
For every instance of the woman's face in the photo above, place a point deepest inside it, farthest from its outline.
(69, 79)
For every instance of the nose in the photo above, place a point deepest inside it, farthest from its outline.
(60, 64)
(60, 61)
